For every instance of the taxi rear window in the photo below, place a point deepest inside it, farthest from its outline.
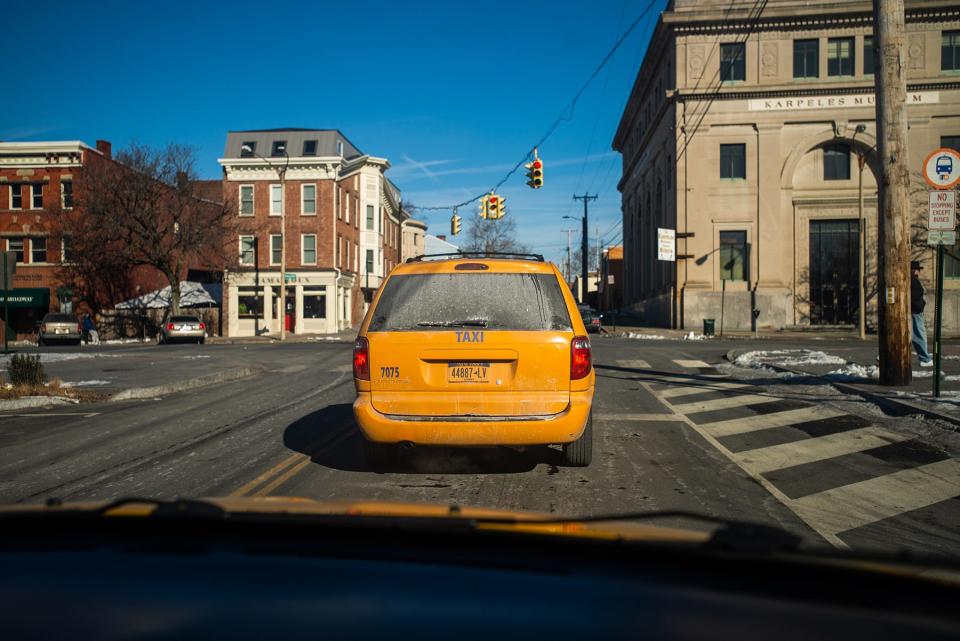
(419, 302)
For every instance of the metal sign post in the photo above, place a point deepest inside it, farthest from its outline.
(941, 169)
(8, 260)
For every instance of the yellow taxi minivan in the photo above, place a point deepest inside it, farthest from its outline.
(474, 350)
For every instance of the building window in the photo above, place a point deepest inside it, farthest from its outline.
(309, 147)
(732, 62)
(309, 249)
(314, 302)
(16, 196)
(806, 58)
(346, 251)
(950, 51)
(248, 302)
(308, 203)
(276, 249)
(38, 250)
(868, 55)
(369, 261)
(67, 254)
(15, 245)
(346, 213)
(246, 200)
(278, 148)
(733, 161)
(950, 142)
(339, 147)
(66, 194)
(248, 249)
(248, 149)
(339, 250)
(836, 162)
(36, 196)
(733, 255)
(840, 57)
(370, 219)
(276, 200)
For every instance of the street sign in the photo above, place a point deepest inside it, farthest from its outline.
(942, 210)
(941, 237)
(941, 169)
(666, 244)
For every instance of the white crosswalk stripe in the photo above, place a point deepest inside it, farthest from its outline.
(811, 450)
(634, 364)
(690, 364)
(849, 506)
(723, 403)
(698, 387)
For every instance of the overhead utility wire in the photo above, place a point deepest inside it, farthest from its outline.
(556, 123)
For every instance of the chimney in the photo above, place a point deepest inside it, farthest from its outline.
(442, 236)
(105, 148)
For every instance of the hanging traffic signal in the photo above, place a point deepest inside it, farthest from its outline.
(535, 173)
(495, 206)
(485, 207)
(454, 225)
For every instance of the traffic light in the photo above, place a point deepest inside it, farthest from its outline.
(535, 173)
(484, 207)
(454, 225)
(495, 206)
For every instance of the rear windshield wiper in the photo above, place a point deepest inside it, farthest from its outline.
(461, 323)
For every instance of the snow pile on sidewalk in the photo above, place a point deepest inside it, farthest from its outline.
(695, 337)
(787, 358)
(852, 372)
(90, 383)
(126, 341)
(55, 357)
(646, 337)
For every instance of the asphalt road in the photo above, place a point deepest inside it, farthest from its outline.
(671, 432)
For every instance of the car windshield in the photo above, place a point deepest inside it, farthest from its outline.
(569, 258)
(492, 300)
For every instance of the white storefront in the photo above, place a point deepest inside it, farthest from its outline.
(318, 302)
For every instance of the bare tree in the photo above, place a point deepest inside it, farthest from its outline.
(146, 210)
(492, 235)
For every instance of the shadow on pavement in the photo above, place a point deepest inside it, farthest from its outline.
(332, 439)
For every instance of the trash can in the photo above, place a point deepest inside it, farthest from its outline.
(709, 325)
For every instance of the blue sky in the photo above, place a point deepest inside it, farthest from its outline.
(452, 94)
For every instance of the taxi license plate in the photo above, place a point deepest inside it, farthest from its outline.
(60, 331)
(468, 372)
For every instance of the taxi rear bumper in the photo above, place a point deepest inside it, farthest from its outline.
(466, 431)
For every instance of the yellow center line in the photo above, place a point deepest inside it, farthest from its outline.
(283, 478)
(266, 476)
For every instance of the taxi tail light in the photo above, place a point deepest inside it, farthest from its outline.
(361, 359)
(202, 326)
(580, 357)
(170, 326)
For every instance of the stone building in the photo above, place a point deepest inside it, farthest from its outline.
(750, 131)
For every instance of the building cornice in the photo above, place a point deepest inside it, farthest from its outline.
(67, 153)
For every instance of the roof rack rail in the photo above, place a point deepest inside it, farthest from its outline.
(477, 254)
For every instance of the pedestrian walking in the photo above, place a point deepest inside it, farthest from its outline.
(916, 310)
(90, 328)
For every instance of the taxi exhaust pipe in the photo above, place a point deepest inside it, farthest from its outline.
(407, 445)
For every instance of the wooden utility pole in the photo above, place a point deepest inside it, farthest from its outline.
(893, 244)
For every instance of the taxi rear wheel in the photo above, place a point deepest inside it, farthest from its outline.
(579, 453)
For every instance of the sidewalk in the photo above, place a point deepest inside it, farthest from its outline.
(853, 368)
(657, 333)
(343, 336)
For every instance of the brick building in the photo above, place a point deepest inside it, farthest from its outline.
(343, 223)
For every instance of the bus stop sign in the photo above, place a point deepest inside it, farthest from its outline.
(941, 169)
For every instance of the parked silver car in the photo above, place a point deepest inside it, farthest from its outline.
(59, 328)
(182, 328)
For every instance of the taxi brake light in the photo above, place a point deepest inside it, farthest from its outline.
(361, 359)
(202, 326)
(580, 359)
(170, 326)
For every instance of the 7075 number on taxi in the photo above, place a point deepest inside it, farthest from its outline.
(389, 372)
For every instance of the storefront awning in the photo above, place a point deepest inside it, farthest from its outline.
(25, 298)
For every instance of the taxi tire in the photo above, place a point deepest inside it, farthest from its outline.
(579, 453)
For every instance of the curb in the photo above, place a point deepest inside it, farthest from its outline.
(892, 405)
(140, 393)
